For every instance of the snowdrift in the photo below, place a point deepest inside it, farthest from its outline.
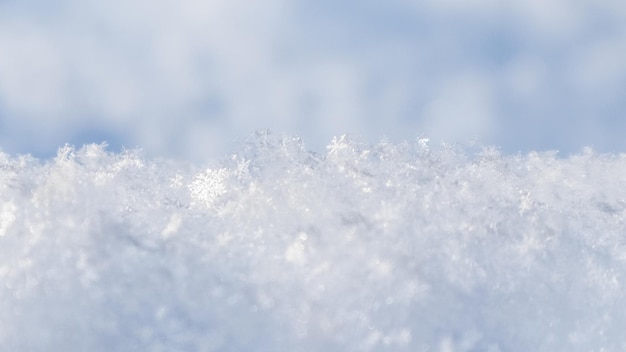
(396, 247)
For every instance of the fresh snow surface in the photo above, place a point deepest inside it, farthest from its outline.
(387, 247)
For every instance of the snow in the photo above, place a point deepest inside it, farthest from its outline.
(386, 247)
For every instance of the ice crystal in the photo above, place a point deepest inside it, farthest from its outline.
(398, 247)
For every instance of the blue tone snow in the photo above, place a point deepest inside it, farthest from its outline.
(384, 247)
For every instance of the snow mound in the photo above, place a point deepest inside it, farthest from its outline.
(395, 247)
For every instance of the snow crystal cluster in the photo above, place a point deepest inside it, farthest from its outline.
(387, 247)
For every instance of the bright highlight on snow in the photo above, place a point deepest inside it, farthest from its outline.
(387, 247)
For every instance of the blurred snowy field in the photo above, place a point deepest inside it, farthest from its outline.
(365, 247)
(184, 78)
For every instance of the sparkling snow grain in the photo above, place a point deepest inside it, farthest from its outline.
(364, 248)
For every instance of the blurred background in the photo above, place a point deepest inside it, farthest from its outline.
(188, 78)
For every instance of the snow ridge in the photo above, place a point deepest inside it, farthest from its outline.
(395, 247)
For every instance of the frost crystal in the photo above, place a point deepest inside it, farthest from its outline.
(397, 247)
(209, 186)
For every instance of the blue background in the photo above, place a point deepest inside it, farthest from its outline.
(187, 79)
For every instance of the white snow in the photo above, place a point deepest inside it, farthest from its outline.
(387, 247)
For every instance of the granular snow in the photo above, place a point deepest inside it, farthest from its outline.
(396, 247)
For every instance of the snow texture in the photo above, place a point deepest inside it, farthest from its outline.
(387, 247)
